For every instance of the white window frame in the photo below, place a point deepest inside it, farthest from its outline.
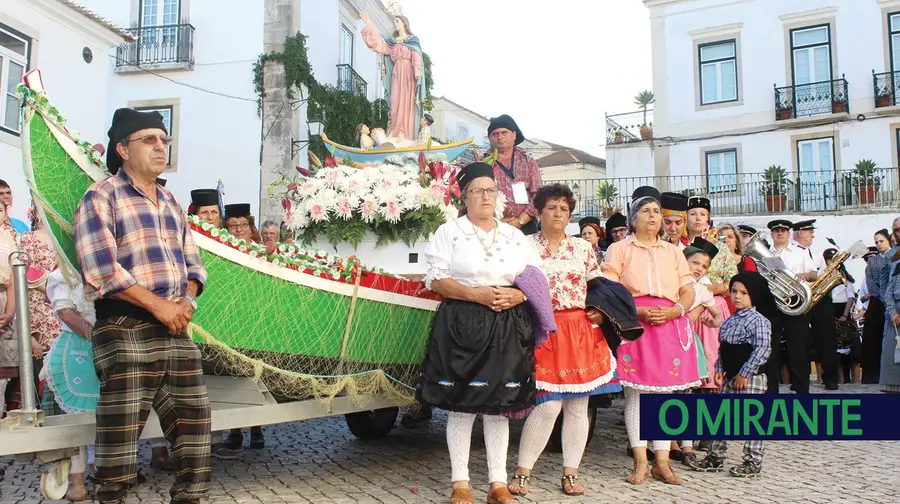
(163, 109)
(159, 15)
(717, 64)
(345, 34)
(7, 56)
(724, 184)
(462, 132)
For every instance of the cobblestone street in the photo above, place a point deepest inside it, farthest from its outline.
(321, 462)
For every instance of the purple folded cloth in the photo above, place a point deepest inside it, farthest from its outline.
(534, 285)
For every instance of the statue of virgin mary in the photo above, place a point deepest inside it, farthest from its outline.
(405, 78)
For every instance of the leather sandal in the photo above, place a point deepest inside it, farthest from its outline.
(501, 495)
(658, 474)
(462, 496)
(522, 481)
(568, 485)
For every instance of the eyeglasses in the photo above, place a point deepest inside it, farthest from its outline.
(490, 192)
(618, 231)
(150, 140)
(239, 225)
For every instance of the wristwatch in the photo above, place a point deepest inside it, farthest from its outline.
(193, 302)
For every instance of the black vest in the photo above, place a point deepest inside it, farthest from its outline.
(734, 356)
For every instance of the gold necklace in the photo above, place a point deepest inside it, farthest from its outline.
(487, 248)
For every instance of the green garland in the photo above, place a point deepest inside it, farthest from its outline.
(342, 111)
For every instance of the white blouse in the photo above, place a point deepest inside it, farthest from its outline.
(476, 258)
(62, 295)
(843, 293)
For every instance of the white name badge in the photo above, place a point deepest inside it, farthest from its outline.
(520, 195)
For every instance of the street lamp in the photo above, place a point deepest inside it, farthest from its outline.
(315, 127)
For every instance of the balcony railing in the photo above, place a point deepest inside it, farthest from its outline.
(158, 45)
(751, 193)
(626, 128)
(886, 87)
(349, 80)
(817, 98)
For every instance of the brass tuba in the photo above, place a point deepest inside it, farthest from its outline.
(791, 295)
(833, 276)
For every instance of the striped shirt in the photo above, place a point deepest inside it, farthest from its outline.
(526, 171)
(748, 326)
(123, 238)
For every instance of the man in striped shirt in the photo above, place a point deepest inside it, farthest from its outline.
(142, 270)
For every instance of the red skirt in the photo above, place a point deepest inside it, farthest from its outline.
(575, 358)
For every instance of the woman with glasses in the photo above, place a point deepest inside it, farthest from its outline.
(480, 356)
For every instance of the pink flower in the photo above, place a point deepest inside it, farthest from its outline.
(307, 189)
(286, 204)
(368, 210)
(318, 212)
(345, 209)
(292, 186)
(392, 211)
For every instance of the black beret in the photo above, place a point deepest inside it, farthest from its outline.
(505, 121)
(673, 201)
(705, 246)
(205, 197)
(645, 191)
(589, 220)
(615, 220)
(126, 121)
(237, 210)
(699, 202)
(473, 171)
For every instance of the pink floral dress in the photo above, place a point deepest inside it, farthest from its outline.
(43, 324)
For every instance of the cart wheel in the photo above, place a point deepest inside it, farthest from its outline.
(55, 479)
(374, 424)
(555, 444)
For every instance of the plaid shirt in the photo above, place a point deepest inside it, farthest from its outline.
(123, 238)
(748, 326)
(526, 170)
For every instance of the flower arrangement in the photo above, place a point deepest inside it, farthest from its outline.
(313, 262)
(396, 203)
(40, 101)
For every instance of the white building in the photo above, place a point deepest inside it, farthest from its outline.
(807, 85)
(455, 123)
(193, 62)
(70, 46)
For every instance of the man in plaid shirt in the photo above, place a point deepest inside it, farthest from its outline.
(516, 173)
(142, 270)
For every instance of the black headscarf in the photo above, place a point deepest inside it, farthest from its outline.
(126, 121)
(760, 294)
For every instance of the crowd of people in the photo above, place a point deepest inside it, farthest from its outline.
(533, 322)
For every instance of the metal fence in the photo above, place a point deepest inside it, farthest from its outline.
(816, 98)
(158, 45)
(750, 193)
(349, 80)
(886, 86)
(626, 128)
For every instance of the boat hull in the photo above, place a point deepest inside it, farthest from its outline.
(255, 317)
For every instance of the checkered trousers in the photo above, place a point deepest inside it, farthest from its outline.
(753, 448)
(140, 366)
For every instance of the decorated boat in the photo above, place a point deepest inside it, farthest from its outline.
(303, 322)
(363, 157)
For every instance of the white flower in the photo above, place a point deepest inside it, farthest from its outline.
(75, 135)
(318, 211)
(344, 209)
(214, 232)
(391, 211)
(368, 209)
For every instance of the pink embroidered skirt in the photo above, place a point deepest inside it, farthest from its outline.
(663, 359)
(709, 336)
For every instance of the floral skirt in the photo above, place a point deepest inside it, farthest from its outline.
(575, 359)
(664, 358)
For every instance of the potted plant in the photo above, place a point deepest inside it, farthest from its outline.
(883, 98)
(785, 113)
(838, 106)
(774, 188)
(619, 136)
(866, 181)
(607, 192)
(643, 100)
